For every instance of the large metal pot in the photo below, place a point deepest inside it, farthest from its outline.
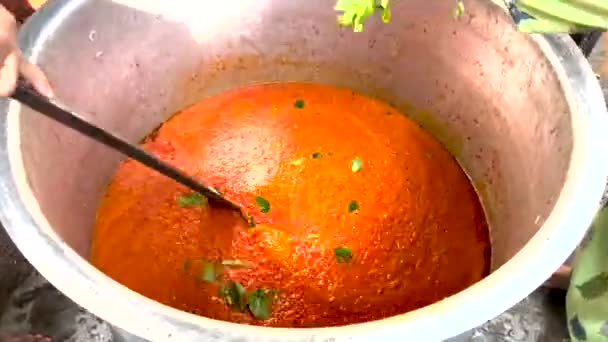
(523, 114)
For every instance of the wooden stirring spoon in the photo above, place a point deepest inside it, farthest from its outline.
(43, 105)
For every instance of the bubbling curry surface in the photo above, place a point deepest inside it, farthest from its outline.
(359, 213)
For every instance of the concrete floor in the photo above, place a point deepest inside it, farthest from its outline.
(538, 318)
(29, 304)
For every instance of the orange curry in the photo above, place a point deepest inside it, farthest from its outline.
(359, 213)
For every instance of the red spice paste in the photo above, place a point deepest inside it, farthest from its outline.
(360, 214)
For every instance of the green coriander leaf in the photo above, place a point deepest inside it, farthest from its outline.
(208, 274)
(459, 10)
(192, 199)
(386, 11)
(251, 221)
(353, 206)
(263, 204)
(234, 263)
(386, 15)
(225, 291)
(355, 12)
(346, 5)
(186, 265)
(343, 254)
(594, 287)
(259, 303)
(356, 164)
(233, 294)
(330, 153)
(240, 289)
(299, 103)
(317, 155)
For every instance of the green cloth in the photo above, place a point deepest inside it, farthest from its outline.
(565, 16)
(587, 299)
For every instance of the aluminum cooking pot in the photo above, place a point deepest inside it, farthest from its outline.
(524, 116)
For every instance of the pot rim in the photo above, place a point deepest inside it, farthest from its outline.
(522, 274)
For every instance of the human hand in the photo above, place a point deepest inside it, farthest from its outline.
(12, 62)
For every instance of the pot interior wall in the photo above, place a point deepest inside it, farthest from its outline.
(485, 91)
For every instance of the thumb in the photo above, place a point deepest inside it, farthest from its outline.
(8, 75)
(34, 75)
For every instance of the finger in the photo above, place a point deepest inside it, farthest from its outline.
(8, 33)
(34, 75)
(8, 75)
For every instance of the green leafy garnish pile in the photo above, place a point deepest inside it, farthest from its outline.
(355, 12)
(258, 301)
(234, 295)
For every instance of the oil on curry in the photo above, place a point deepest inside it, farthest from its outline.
(359, 214)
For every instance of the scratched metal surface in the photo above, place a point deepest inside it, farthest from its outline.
(541, 316)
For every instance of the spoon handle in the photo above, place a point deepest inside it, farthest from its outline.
(41, 104)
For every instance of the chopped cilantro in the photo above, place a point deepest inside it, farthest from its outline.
(251, 221)
(192, 199)
(234, 263)
(459, 10)
(353, 206)
(343, 254)
(259, 303)
(299, 103)
(208, 274)
(354, 12)
(233, 294)
(356, 164)
(263, 204)
(317, 155)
